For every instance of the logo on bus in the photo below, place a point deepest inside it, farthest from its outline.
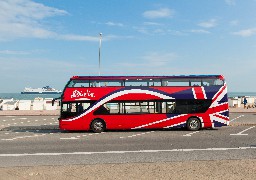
(81, 94)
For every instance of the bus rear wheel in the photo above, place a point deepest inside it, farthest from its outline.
(193, 124)
(98, 126)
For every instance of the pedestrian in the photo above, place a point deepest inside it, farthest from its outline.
(245, 102)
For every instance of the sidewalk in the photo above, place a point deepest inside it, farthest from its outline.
(242, 110)
(30, 113)
(216, 169)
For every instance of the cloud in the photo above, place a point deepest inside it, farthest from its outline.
(230, 2)
(208, 24)
(234, 23)
(114, 24)
(73, 37)
(151, 60)
(22, 18)
(10, 52)
(158, 58)
(199, 31)
(159, 29)
(151, 63)
(151, 24)
(159, 13)
(245, 32)
(112, 37)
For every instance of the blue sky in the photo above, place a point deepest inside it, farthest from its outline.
(45, 42)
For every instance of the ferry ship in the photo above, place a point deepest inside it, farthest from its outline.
(43, 90)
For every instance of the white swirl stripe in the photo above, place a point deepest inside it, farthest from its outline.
(118, 94)
(156, 122)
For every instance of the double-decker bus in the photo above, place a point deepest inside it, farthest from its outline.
(100, 103)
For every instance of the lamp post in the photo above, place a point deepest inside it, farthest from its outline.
(99, 51)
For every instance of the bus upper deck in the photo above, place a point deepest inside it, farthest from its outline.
(192, 80)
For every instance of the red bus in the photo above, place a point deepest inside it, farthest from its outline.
(100, 103)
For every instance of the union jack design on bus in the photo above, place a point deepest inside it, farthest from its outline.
(98, 106)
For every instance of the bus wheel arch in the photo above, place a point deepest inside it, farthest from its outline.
(98, 125)
(193, 123)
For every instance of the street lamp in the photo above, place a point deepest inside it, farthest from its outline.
(99, 51)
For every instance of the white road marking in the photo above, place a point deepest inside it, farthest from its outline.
(241, 133)
(134, 135)
(70, 138)
(124, 152)
(85, 135)
(237, 118)
(23, 118)
(22, 137)
(190, 134)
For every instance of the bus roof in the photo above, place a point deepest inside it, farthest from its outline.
(146, 77)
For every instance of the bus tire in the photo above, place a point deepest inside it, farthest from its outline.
(193, 124)
(98, 125)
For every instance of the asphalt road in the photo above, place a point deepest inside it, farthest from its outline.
(36, 140)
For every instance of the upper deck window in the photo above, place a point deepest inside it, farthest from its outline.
(79, 83)
(95, 83)
(179, 81)
(175, 82)
(136, 82)
(218, 82)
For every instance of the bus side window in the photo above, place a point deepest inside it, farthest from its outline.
(170, 107)
(102, 110)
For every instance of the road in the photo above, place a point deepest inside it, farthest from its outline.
(36, 140)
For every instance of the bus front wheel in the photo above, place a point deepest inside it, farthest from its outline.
(193, 124)
(98, 126)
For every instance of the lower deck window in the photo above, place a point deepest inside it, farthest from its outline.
(154, 107)
(71, 109)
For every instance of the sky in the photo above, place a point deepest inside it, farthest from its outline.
(45, 42)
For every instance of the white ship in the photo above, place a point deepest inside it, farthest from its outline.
(44, 90)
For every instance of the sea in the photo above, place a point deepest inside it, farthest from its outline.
(19, 96)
